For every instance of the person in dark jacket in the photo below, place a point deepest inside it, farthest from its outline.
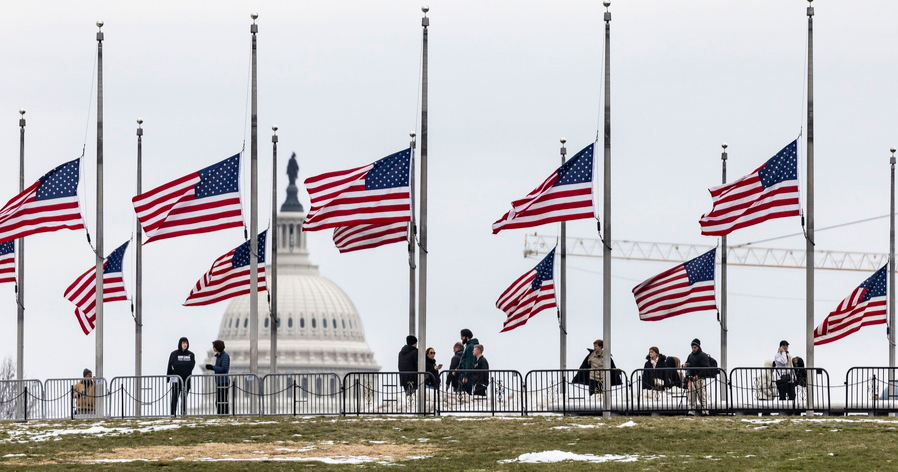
(408, 362)
(432, 368)
(452, 377)
(222, 383)
(652, 378)
(181, 363)
(584, 375)
(696, 366)
(480, 379)
(467, 358)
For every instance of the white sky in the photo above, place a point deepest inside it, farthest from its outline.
(507, 80)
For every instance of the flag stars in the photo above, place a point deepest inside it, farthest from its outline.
(578, 169)
(60, 182)
(701, 268)
(219, 178)
(390, 172)
(781, 167)
(544, 270)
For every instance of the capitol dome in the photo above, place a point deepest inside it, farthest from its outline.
(320, 329)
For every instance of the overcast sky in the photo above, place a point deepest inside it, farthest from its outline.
(507, 80)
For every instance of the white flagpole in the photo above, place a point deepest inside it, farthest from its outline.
(138, 277)
(562, 283)
(99, 234)
(809, 239)
(411, 241)
(272, 277)
(422, 254)
(892, 277)
(606, 247)
(20, 279)
(253, 221)
(723, 285)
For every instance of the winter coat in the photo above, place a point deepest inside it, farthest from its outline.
(582, 376)
(650, 374)
(84, 392)
(695, 363)
(181, 362)
(452, 377)
(408, 359)
(467, 358)
(222, 366)
(432, 369)
(480, 378)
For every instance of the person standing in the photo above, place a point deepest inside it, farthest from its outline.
(432, 368)
(222, 382)
(84, 392)
(785, 383)
(696, 365)
(181, 363)
(452, 377)
(480, 378)
(467, 358)
(408, 362)
(591, 371)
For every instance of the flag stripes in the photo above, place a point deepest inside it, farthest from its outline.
(354, 238)
(7, 262)
(229, 276)
(50, 204)
(83, 291)
(530, 294)
(685, 288)
(864, 306)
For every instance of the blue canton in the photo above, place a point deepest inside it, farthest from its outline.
(389, 172)
(60, 182)
(114, 261)
(876, 284)
(701, 269)
(578, 169)
(241, 254)
(544, 270)
(219, 178)
(6, 248)
(783, 166)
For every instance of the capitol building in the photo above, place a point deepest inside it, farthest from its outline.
(320, 329)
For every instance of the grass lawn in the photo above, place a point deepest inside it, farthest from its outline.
(455, 443)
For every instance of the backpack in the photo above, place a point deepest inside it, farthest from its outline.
(711, 372)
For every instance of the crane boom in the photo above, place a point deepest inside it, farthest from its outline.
(536, 244)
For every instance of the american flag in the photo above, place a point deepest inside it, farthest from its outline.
(683, 289)
(49, 204)
(354, 238)
(83, 291)
(866, 306)
(375, 194)
(229, 276)
(7, 262)
(769, 192)
(566, 195)
(201, 202)
(530, 294)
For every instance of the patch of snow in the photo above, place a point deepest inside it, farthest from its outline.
(15, 455)
(560, 456)
(627, 424)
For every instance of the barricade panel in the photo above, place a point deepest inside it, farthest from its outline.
(21, 400)
(143, 397)
(483, 391)
(755, 390)
(871, 389)
(223, 394)
(390, 393)
(75, 398)
(302, 394)
(571, 391)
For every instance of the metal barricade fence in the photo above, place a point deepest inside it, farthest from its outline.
(224, 394)
(75, 398)
(755, 390)
(664, 391)
(871, 389)
(141, 397)
(302, 394)
(569, 391)
(484, 391)
(389, 393)
(21, 400)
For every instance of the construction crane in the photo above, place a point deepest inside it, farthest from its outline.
(536, 244)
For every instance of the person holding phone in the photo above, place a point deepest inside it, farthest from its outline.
(432, 380)
(785, 384)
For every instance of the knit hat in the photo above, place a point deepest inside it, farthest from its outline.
(411, 340)
(86, 371)
(696, 342)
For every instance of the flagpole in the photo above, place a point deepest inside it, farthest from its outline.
(562, 282)
(422, 254)
(20, 279)
(138, 278)
(138, 262)
(809, 239)
(411, 243)
(892, 276)
(273, 237)
(253, 221)
(606, 247)
(99, 233)
(723, 285)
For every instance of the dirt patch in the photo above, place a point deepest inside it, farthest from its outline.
(258, 451)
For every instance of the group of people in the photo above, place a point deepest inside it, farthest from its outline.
(467, 369)
(181, 363)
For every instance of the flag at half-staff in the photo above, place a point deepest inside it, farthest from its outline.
(229, 276)
(83, 291)
(530, 294)
(685, 288)
(200, 202)
(865, 306)
(7, 262)
(771, 191)
(367, 206)
(50, 204)
(566, 195)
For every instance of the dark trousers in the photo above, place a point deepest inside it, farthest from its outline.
(176, 394)
(595, 386)
(221, 399)
(785, 386)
